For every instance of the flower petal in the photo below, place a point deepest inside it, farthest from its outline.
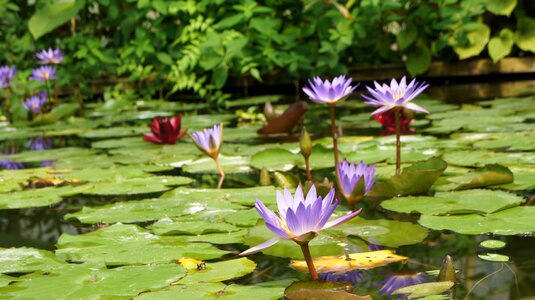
(261, 247)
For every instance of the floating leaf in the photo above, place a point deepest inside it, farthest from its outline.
(166, 226)
(501, 7)
(470, 201)
(276, 159)
(39, 197)
(494, 257)
(516, 220)
(285, 122)
(492, 244)
(425, 289)
(220, 271)
(328, 290)
(354, 261)
(26, 260)
(230, 164)
(134, 186)
(487, 176)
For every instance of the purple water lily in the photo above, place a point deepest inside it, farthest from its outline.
(355, 181)
(39, 143)
(8, 163)
(353, 277)
(396, 95)
(6, 75)
(209, 141)
(395, 282)
(35, 103)
(327, 92)
(50, 56)
(299, 218)
(44, 73)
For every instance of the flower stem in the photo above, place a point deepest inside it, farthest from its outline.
(398, 140)
(56, 101)
(335, 139)
(49, 100)
(310, 262)
(7, 104)
(220, 170)
(307, 165)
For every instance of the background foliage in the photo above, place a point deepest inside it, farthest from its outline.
(197, 45)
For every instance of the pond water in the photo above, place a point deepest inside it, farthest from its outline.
(95, 211)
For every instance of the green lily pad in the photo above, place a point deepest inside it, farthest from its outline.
(276, 159)
(425, 289)
(413, 180)
(327, 290)
(494, 257)
(516, 220)
(480, 158)
(487, 176)
(27, 260)
(6, 280)
(121, 244)
(52, 154)
(115, 132)
(153, 209)
(167, 226)
(518, 141)
(523, 181)
(87, 282)
(39, 197)
(220, 271)
(128, 142)
(215, 291)
(492, 244)
(244, 217)
(469, 201)
(134, 186)
(229, 164)
(243, 196)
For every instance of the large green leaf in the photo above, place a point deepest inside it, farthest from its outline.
(26, 260)
(470, 39)
(501, 7)
(487, 176)
(462, 202)
(220, 271)
(480, 158)
(525, 34)
(135, 186)
(39, 197)
(53, 15)
(418, 60)
(516, 220)
(276, 159)
(500, 46)
(121, 244)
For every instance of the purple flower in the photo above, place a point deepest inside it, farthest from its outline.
(396, 95)
(47, 163)
(50, 56)
(10, 165)
(44, 73)
(299, 218)
(395, 282)
(209, 140)
(35, 103)
(355, 181)
(6, 75)
(39, 143)
(326, 92)
(352, 276)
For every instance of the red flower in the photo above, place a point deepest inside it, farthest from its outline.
(388, 120)
(165, 130)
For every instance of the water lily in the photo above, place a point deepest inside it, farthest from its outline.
(44, 73)
(299, 219)
(165, 130)
(396, 97)
(353, 277)
(355, 180)
(39, 143)
(327, 92)
(395, 282)
(6, 75)
(35, 103)
(388, 120)
(209, 141)
(9, 164)
(50, 56)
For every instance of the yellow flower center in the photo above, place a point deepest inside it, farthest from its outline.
(400, 93)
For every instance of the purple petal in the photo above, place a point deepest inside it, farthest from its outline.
(416, 107)
(260, 247)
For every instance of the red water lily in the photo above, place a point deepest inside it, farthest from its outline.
(388, 120)
(165, 130)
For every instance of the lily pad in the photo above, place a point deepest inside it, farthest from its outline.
(39, 197)
(480, 158)
(516, 220)
(328, 290)
(425, 289)
(243, 196)
(462, 202)
(129, 245)
(27, 260)
(220, 271)
(276, 159)
(487, 176)
(167, 226)
(229, 164)
(494, 257)
(492, 244)
(134, 186)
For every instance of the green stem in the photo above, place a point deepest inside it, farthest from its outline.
(335, 139)
(307, 165)
(308, 259)
(220, 170)
(398, 140)
(49, 100)
(56, 101)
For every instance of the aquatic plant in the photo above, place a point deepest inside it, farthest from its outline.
(50, 56)
(355, 181)
(9, 164)
(299, 219)
(330, 93)
(6, 75)
(35, 103)
(395, 282)
(44, 73)
(388, 120)
(353, 277)
(396, 97)
(165, 130)
(305, 146)
(39, 143)
(209, 141)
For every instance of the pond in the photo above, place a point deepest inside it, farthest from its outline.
(91, 210)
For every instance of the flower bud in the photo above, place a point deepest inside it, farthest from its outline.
(305, 143)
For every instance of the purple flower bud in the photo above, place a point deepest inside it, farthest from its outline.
(35, 103)
(50, 56)
(209, 140)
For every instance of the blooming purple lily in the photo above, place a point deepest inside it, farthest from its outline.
(396, 95)
(50, 56)
(44, 73)
(355, 180)
(299, 218)
(327, 92)
(395, 282)
(209, 141)
(35, 103)
(6, 75)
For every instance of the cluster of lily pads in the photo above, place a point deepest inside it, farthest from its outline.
(156, 228)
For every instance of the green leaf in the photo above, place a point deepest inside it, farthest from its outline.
(470, 39)
(487, 176)
(53, 15)
(26, 260)
(220, 271)
(406, 37)
(501, 7)
(166, 226)
(418, 60)
(500, 46)
(165, 58)
(135, 186)
(276, 159)
(220, 75)
(516, 220)
(470, 201)
(525, 34)
(494, 257)
(425, 289)
(39, 197)
(492, 244)
(327, 290)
